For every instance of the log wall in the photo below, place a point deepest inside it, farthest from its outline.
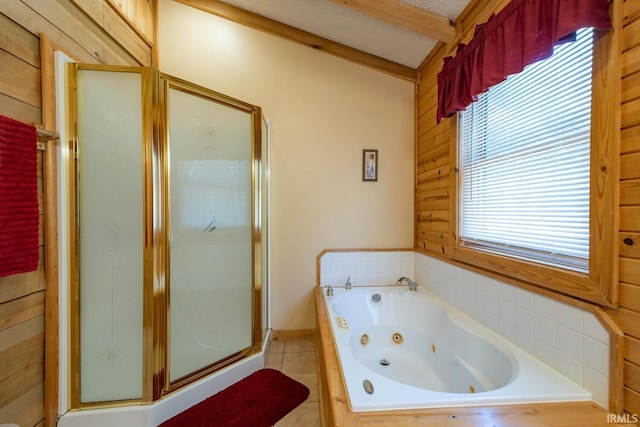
(91, 31)
(435, 163)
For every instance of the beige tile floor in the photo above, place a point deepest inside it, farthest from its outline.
(297, 359)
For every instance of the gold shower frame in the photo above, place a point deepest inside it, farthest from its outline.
(156, 287)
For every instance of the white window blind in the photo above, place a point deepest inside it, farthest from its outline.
(215, 193)
(524, 159)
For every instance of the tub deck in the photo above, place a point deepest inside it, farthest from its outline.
(335, 410)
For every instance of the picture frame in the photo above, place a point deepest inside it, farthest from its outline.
(369, 165)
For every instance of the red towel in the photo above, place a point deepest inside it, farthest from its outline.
(19, 217)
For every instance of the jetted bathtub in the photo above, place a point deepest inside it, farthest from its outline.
(402, 349)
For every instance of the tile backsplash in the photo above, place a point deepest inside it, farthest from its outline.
(569, 339)
(366, 268)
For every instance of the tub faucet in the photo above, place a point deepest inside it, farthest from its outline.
(412, 285)
(347, 285)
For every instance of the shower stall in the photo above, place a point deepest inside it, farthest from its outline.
(167, 252)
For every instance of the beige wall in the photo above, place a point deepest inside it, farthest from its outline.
(323, 111)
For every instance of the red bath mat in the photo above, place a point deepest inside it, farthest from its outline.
(259, 400)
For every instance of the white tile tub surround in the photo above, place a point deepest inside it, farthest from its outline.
(569, 339)
(366, 268)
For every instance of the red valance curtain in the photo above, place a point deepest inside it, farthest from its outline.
(524, 32)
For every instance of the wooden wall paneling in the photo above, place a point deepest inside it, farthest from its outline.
(19, 79)
(50, 224)
(433, 145)
(429, 138)
(630, 114)
(427, 118)
(126, 6)
(629, 218)
(108, 44)
(630, 271)
(112, 20)
(631, 10)
(18, 48)
(26, 410)
(425, 194)
(630, 192)
(434, 136)
(629, 312)
(21, 371)
(117, 19)
(18, 92)
(21, 362)
(139, 13)
(432, 214)
(631, 83)
(629, 321)
(428, 92)
(630, 138)
(10, 337)
(425, 109)
(93, 8)
(630, 297)
(630, 35)
(629, 244)
(35, 23)
(144, 17)
(18, 42)
(433, 247)
(12, 107)
(68, 26)
(630, 62)
(433, 169)
(432, 166)
(118, 28)
(629, 166)
(426, 126)
(22, 96)
(631, 401)
(17, 286)
(632, 349)
(21, 309)
(24, 379)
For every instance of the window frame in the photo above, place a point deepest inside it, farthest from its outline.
(600, 284)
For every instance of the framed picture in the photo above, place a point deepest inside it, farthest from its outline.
(369, 165)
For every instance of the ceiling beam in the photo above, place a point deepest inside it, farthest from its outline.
(259, 22)
(406, 16)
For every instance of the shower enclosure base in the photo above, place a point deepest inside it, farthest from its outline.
(155, 414)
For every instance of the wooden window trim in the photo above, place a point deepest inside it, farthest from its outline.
(600, 285)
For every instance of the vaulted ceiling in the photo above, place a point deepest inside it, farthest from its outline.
(392, 35)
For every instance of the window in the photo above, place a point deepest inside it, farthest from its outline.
(524, 162)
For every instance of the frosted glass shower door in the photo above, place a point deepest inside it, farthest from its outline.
(165, 243)
(110, 230)
(210, 231)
